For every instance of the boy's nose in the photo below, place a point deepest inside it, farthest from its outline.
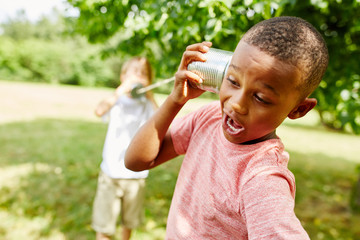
(239, 108)
(238, 104)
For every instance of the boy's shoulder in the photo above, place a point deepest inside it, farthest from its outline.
(212, 108)
(268, 157)
(209, 113)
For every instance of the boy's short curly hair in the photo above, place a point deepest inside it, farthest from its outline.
(294, 41)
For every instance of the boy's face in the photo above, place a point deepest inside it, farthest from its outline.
(257, 94)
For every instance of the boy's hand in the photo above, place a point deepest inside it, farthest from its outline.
(182, 91)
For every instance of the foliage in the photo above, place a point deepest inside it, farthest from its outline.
(62, 62)
(20, 28)
(162, 29)
(45, 51)
(339, 93)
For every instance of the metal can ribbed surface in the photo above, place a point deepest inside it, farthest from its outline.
(213, 70)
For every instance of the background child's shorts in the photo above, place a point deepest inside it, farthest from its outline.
(114, 197)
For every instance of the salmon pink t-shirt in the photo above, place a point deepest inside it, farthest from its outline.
(229, 191)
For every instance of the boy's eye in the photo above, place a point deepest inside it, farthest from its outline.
(232, 81)
(261, 100)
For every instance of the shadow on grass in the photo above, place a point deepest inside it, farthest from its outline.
(52, 168)
(324, 189)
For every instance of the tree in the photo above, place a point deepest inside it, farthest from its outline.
(338, 94)
(162, 29)
(18, 28)
(41, 52)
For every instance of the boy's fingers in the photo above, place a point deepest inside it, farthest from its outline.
(202, 47)
(188, 75)
(194, 52)
(193, 77)
(190, 56)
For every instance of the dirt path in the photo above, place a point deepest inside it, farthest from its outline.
(28, 101)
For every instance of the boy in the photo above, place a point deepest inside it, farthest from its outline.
(234, 182)
(119, 189)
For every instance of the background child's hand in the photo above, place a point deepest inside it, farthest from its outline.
(130, 79)
(182, 91)
(123, 89)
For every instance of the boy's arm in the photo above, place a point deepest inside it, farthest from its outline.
(152, 145)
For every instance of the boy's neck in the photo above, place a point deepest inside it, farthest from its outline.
(269, 136)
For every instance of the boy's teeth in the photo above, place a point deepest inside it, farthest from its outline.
(231, 126)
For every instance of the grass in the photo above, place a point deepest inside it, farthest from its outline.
(49, 167)
(48, 175)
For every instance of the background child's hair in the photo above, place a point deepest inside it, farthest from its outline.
(142, 65)
(294, 41)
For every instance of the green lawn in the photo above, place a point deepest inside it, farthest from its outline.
(49, 167)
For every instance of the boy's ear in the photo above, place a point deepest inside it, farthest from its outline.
(302, 108)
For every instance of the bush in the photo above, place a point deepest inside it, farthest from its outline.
(58, 62)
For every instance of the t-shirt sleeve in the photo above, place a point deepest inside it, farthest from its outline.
(268, 207)
(181, 130)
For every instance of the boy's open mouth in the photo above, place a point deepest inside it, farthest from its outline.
(231, 126)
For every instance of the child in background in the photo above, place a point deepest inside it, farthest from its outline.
(234, 182)
(120, 190)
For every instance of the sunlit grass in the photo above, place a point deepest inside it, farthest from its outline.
(48, 179)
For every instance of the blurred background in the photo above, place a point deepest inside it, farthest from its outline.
(59, 58)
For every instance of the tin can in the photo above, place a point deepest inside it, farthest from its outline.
(135, 90)
(213, 70)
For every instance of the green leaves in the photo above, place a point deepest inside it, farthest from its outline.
(162, 29)
(66, 62)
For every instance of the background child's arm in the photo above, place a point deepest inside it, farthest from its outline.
(152, 145)
(106, 104)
